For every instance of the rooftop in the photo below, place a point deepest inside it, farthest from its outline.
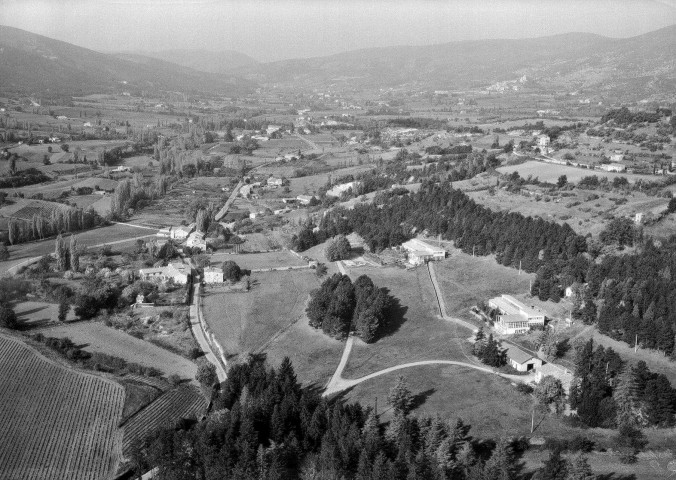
(518, 355)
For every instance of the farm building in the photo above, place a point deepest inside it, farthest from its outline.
(304, 199)
(182, 231)
(514, 316)
(246, 190)
(178, 272)
(420, 252)
(213, 275)
(196, 240)
(543, 141)
(613, 167)
(275, 182)
(522, 361)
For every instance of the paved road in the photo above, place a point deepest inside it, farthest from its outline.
(198, 332)
(221, 213)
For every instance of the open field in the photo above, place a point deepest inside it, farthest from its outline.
(466, 281)
(487, 402)
(271, 319)
(57, 422)
(417, 332)
(182, 402)
(549, 172)
(33, 314)
(96, 337)
(244, 322)
(251, 261)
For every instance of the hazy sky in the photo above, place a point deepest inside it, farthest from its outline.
(272, 30)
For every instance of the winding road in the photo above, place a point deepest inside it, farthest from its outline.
(338, 383)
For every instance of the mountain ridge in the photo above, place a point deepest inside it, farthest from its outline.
(31, 63)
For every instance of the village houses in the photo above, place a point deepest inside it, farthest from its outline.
(178, 272)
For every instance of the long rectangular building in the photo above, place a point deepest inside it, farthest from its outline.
(514, 316)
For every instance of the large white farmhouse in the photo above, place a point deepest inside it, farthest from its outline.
(420, 252)
(514, 316)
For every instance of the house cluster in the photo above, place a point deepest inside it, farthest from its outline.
(193, 238)
(419, 252)
(179, 273)
(515, 317)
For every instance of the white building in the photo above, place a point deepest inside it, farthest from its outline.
(522, 361)
(181, 232)
(213, 275)
(196, 240)
(178, 272)
(272, 129)
(304, 199)
(514, 316)
(420, 252)
(543, 141)
(338, 190)
(613, 167)
(276, 182)
(246, 190)
(618, 157)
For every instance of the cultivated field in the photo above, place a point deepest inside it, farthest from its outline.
(57, 423)
(182, 402)
(549, 172)
(96, 337)
(586, 211)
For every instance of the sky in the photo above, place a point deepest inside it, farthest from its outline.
(271, 30)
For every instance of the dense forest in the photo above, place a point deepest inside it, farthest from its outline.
(265, 426)
(609, 393)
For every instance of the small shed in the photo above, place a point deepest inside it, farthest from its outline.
(522, 361)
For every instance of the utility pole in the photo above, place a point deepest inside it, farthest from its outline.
(376, 409)
(636, 344)
(519, 267)
(532, 421)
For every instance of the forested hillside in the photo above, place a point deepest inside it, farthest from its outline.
(631, 296)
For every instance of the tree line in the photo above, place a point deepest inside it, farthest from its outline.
(44, 226)
(608, 392)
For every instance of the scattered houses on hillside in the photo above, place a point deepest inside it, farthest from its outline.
(513, 316)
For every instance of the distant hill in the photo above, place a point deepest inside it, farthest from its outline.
(643, 64)
(226, 61)
(33, 64)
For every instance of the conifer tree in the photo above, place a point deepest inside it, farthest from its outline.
(579, 469)
(61, 254)
(74, 254)
(400, 397)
